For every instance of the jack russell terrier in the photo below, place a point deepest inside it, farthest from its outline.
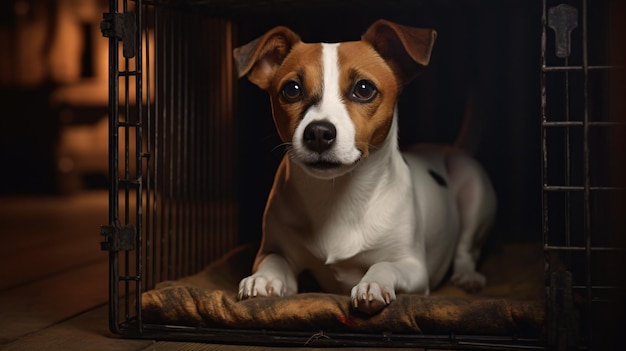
(346, 204)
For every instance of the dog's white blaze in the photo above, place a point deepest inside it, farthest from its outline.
(332, 109)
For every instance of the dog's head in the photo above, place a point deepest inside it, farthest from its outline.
(334, 103)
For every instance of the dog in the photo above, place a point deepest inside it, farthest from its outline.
(346, 204)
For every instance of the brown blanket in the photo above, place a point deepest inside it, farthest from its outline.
(512, 302)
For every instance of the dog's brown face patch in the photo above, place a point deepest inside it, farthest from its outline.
(367, 87)
(361, 71)
(302, 72)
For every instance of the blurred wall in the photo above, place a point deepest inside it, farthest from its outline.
(47, 47)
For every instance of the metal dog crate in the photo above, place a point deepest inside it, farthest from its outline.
(179, 175)
(581, 131)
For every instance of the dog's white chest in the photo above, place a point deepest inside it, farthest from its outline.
(355, 214)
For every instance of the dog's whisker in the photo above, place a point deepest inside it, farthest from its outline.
(372, 147)
(286, 146)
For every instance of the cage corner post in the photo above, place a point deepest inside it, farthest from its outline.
(121, 26)
(563, 319)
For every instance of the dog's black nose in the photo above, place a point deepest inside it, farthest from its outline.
(319, 136)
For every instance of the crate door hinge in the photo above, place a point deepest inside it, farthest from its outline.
(122, 26)
(118, 238)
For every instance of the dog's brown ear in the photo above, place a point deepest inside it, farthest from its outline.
(260, 58)
(407, 49)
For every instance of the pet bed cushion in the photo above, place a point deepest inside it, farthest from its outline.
(512, 302)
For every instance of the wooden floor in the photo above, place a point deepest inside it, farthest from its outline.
(53, 278)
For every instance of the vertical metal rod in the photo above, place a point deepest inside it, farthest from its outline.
(226, 190)
(187, 185)
(208, 147)
(114, 322)
(544, 148)
(219, 137)
(198, 146)
(162, 91)
(195, 156)
(228, 104)
(215, 119)
(190, 138)
(587, 180)
(172, 120)
(220, 130)
(163, 115)
(139, 161)
(147, 279)
(206, 174)
(170, 157)
(234, 234)
(205, 137)
(127, 307)
(178, 154)
(227, 125)
(156, 151)
(568, 204)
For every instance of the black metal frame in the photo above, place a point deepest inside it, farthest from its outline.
(144, 211)
(577, 224)
(171, 179)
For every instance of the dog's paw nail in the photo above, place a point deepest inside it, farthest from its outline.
(387, 298)
(371, 298)
(241, 294)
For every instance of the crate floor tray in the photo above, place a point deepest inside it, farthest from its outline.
(511, 304)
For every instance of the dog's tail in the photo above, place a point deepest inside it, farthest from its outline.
(470, 135)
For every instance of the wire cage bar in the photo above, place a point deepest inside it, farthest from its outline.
(580, 230)
(174, 201)
(172, 194)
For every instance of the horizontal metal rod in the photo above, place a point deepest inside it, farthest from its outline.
(131, 182)
(578, 68)
(128, 124)
(130, 278)
(581, 188)
(128, 73)
(580, 124)
(582, 248)
(600, 287)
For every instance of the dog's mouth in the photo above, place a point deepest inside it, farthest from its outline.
(324, 165)
(324, 169)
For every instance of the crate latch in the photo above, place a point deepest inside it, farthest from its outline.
(563, 19)
(122, 26)
(118, 238)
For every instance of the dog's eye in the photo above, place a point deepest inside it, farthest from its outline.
(292, 91)
(364, 91)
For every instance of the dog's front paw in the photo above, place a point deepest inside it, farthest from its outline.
(468, 280)
(260, 285)
(371, 297)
